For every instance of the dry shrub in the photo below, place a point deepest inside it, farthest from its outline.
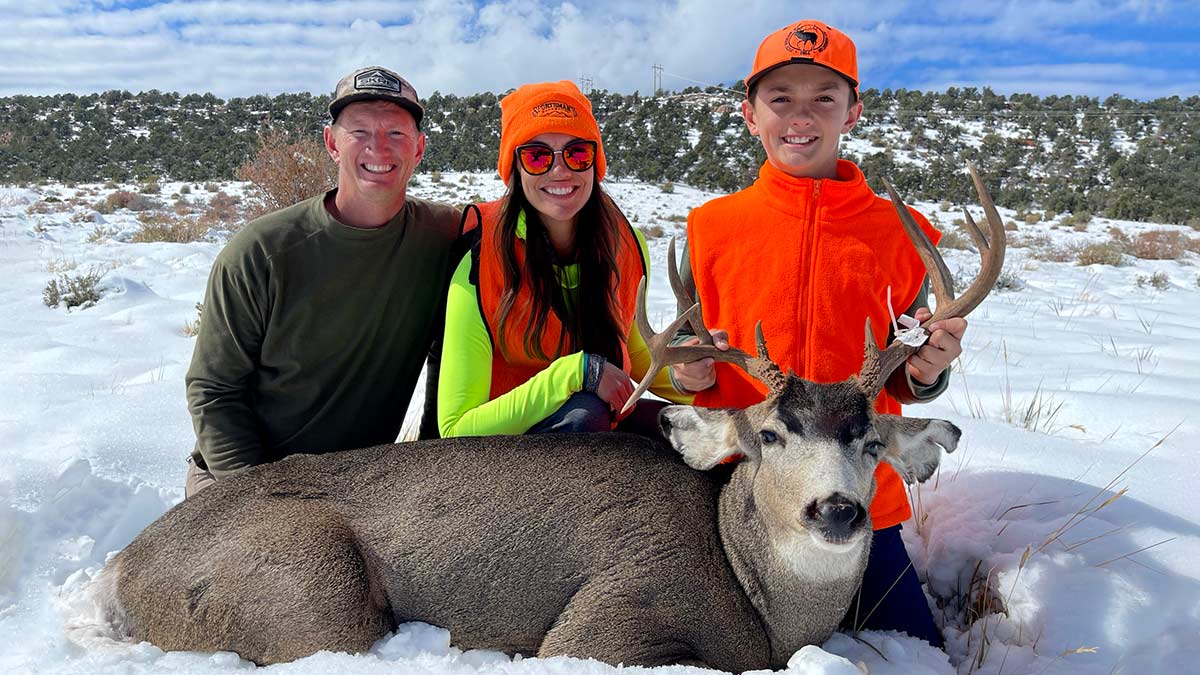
(1107, 253)
(223, 210)
(652, 231)
(287, 168)
(168, 228)
(101, 233)
(1033, 218)
(1160, 281)
(1079, 221)
(955, 239)
(1159, 245)
(1011, 226)
(46, 206)
(124, 199)
(74, 290)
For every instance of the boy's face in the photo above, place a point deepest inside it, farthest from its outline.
(799, 111)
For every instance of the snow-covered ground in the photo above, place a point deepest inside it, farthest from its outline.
(1060, 538)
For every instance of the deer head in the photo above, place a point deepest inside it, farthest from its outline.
(813, 448)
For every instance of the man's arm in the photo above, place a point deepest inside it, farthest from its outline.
(221, 376)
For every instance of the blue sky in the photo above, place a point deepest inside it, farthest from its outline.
(1139, 48)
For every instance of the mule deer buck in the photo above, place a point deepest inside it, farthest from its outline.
(590, 545)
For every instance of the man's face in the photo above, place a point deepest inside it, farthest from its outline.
(377, 147)
(799, 112)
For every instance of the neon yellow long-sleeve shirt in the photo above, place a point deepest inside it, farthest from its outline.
(465, 378)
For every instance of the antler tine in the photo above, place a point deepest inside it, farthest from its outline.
(658, 343)
(663, 354)
(685, 297)
(877, 365)
(991, 252)
(939, 275)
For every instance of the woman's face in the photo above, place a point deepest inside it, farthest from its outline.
(560, 193)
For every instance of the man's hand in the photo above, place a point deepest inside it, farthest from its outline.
(944, 345)
(699, 375)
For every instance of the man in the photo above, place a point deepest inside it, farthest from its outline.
(318, 317)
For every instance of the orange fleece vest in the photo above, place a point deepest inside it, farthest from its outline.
(812, 259)
(511, 366)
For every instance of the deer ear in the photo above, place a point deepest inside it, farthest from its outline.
(914, 445)
(705, 437)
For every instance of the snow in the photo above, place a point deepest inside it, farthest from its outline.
(1059, 538)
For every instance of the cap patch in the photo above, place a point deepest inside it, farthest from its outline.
(555, 109)
(806, 39)
(376, 79)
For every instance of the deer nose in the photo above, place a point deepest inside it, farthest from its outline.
(837, 513)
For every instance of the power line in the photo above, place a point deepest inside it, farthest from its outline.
(705, 84)
(658, 71)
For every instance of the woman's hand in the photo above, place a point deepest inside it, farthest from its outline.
(615, 388)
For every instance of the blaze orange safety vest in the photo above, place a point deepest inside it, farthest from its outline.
(511, 366)
(811, 259)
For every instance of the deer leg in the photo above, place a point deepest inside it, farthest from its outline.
(616, 625)
(286, 582)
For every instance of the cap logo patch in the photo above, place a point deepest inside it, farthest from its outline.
(376, 79)
(807, 39)
(555, 109)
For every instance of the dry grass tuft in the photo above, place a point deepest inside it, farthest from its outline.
(955, 239)
(1107, 253)
(652, 231)
(168, 228)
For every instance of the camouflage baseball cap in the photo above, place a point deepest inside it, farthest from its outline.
(375, 83)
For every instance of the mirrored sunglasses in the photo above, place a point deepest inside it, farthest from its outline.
(538, 158)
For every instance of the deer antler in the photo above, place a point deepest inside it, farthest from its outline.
(662, 353)
(877, 365)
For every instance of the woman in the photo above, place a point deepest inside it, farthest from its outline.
(539, 317)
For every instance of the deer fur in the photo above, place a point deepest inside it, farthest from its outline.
(604, 546)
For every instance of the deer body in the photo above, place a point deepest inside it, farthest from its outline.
(606, 546)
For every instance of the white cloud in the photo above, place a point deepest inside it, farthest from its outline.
(269, 46)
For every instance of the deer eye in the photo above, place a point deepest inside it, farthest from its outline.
(768, 436)
(873, 448)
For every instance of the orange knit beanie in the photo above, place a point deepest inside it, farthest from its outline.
(546, 108)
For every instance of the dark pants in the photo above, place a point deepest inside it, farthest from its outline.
(586, 412)
(891, 597)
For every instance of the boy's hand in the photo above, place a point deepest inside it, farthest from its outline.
(944, 345)
(699, 375)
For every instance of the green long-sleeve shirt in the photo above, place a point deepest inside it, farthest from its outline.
(314, 332)
(465, 381)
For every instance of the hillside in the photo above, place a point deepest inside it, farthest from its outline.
(1120, 158)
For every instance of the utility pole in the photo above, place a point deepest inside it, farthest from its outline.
(585, 83)
(658, 70)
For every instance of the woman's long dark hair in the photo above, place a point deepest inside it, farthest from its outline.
(592, 326)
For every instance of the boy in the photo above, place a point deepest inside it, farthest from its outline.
(811, 251)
